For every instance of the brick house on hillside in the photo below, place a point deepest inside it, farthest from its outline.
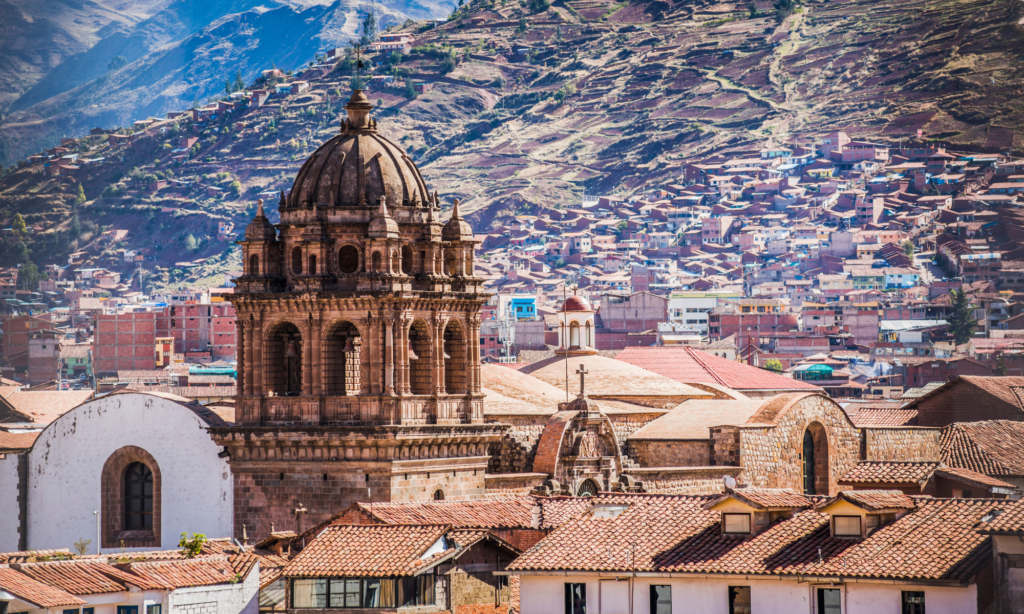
(971, 399)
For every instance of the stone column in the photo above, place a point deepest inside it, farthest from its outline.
(247, 366)
(389, 356)
(316, 357)
(439, 356)
(403, 355)
(258, 339)
(473, 355)
(307, 359)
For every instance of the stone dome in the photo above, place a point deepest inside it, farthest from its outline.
(576, 303)
(357, 167)
(457, 229)
(583, 403)
(260, 228)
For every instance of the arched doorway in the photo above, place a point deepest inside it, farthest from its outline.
(407, 267)
(312, 264)
(420, 378)
(454, 359)
(297, 261)
(342, 375)
(254, 265)
(815, 460)
(348, 260)
(438, 495)
(283, 360)
(587, 489)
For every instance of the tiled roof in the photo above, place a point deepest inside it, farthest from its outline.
(999, 387)
(688, 365)
(973, 477)
(864, 416)
(1010, 520)
(43, 407)
(76, 577)
(889, 472)
(35, 592)
(10, 442)
(366, 550)
(992, 447)
(664, 533)
(694, 418)
(875, 500)
(200, 571)
(610, 377)
(483, 514)
(769, 498)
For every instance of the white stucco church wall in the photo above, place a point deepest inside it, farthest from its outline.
(67, 461)
(9, 505)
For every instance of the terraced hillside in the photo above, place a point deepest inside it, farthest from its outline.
(585, 96)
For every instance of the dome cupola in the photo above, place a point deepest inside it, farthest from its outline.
(358, 167)
(383, 226)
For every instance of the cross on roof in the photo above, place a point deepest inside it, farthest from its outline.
(583, 372)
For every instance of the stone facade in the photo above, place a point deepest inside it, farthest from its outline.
(669, 453)
(901, 443)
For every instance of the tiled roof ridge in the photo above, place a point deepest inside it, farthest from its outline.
(704, 365)
(960, 438)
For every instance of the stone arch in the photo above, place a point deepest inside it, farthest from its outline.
(454, 358)
(297, 261)
(574, 334)
(407, 263)
(282, 359)
(342, 369)
(588, 335)
(394, 262)
(815, 463)
(254, 264)
(588, 488)
(421, 378)
(376, 260)
(348, 260)
(439, 495)
(312, 264)
(113, 529)
(451, 267)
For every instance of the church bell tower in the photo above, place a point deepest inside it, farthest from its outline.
(358, 333)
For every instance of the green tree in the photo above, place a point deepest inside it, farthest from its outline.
(1000, 369)
(191, 547)
(410, 89)
(961, 321)
(80, 196)
(235, 187)
(752, 10)
(539, 6)
(908, 248)
(227, 87)
(116, 62)
(620, 228)
(75, 227)
(369, 28)
(773, 364)
(191, 244)
(523, 26)
(448, 62)
(783, 9)
(19, 225)
(239, 82)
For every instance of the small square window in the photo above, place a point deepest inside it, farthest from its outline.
(847, 526)
(661, 599)
(737, 523)
(153, 609)
(913, 602)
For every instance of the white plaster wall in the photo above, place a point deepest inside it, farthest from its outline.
(240, 598)
(8, 502)
(66, 464)
(545, 595)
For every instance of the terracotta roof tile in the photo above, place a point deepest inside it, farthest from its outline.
(889, 472)
(35, 592)
(610, 377)
(1010, 520)
(200, 571)
(769, 498)
(966, 475)
(43, 407)
(688, 365)
(882, 416)
(874, 500)
(664, 533)
(75, 577)
(11, 442)
(992, 447)
(483, 514)
(27, 556)
(366, 551)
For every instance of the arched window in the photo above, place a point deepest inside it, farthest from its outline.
(376, 262)
(348, 259)
(451, 264)
(138, 497)
(587, 489)
(297, 261)
(407, 260)
(312, 264)
(254, 265)
(574, 334)
(438, 495)
(588, 339)
(808, 463)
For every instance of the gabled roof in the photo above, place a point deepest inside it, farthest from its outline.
(78, 577)
(688, 365)
(34, 592)
(936, 541)
(873, 500)
(200, 571)
(890, 472)
(766, 499)
(43, 407)
(609, 377)
(367, 551)
(991, 447)
(998, 387)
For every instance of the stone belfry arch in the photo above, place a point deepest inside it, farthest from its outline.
(349, 313)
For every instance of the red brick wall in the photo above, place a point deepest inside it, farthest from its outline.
(964, 403)
(127, 341)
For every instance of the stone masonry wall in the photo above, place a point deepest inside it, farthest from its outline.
(668, 453)
(771, 455)
(625, 424)
(901, 444)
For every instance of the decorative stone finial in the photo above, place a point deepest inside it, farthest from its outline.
(259, 208)
(358, 108)
(455, 210)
